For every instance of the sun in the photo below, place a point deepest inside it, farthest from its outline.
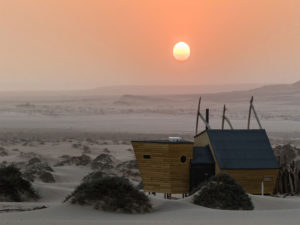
(181, 51)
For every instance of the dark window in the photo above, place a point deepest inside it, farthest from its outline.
(183, 159)
(268, 178)
(147, 156)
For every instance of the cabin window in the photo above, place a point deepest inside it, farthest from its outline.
(183, 159)
(268, 178)
(147, 156)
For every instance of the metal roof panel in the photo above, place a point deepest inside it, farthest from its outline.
(242, 149)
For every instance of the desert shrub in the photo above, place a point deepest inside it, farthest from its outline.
(13, 187)
(86, 149)
(36, 168)
(3, 152)
(93, 176)
(129, 169)
(110, 194)
(140, 186)
(103, 162)
(222, 192)
(46, 177)
(81, 160)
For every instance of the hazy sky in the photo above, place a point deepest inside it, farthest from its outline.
(57, 44)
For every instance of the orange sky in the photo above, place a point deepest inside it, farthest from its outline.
(70, 44)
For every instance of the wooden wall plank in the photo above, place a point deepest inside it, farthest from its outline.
(164, 172)
(251, 179)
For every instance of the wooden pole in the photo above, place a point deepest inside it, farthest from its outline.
(207, 117)
(223, 117)
(202, 118)
(197, 118)
(255, 114)
(249, 115)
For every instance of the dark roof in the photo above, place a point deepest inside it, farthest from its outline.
(202, 155)
(165, 142)
(242, 149)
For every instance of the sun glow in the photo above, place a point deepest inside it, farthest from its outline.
(181, 51)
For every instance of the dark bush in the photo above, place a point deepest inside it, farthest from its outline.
(3, 152)
(110, 194)
(13, 187)
(82, 160)
(222, 192)
(129, 169)
(103, 162)
(46, 177)
(86, 149)
(35, 168)
(93, 176)
(140, 186)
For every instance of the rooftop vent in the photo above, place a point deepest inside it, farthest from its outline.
(175, 139)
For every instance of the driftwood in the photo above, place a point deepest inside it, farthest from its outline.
(22, 209)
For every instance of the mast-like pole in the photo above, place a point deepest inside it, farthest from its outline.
(197, 117)
(255, 114)
(249, 115)
(201, 117)
(223, 117)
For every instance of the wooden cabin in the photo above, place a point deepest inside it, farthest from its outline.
(246, 155)
(179, 167)
(164, 165)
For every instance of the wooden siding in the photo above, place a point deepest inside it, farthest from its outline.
(251, 179)
(164, 172)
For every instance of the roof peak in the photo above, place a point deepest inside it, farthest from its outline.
(231, 131)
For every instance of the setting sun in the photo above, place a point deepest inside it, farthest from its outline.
(181, 51)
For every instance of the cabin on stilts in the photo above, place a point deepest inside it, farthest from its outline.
(176, 166)
(164, 165)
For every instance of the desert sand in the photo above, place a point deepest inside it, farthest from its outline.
(268, 210)
(55, 127)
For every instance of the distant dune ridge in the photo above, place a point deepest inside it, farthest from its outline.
(165, 90)
(107, 110)
(198, 89)
(285, 92)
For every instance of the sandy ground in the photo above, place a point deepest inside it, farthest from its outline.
(48, 127)
(268, 210)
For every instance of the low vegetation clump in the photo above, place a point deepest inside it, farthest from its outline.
(103, 162)
(93, 176)
(129, 169)
(36, 168)
(115, 194)
(13, 187)
(3, 152)
(82, 160)
(222, 192)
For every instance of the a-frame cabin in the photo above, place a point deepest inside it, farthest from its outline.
(246, 155)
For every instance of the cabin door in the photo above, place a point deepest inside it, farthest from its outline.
(200, 173)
